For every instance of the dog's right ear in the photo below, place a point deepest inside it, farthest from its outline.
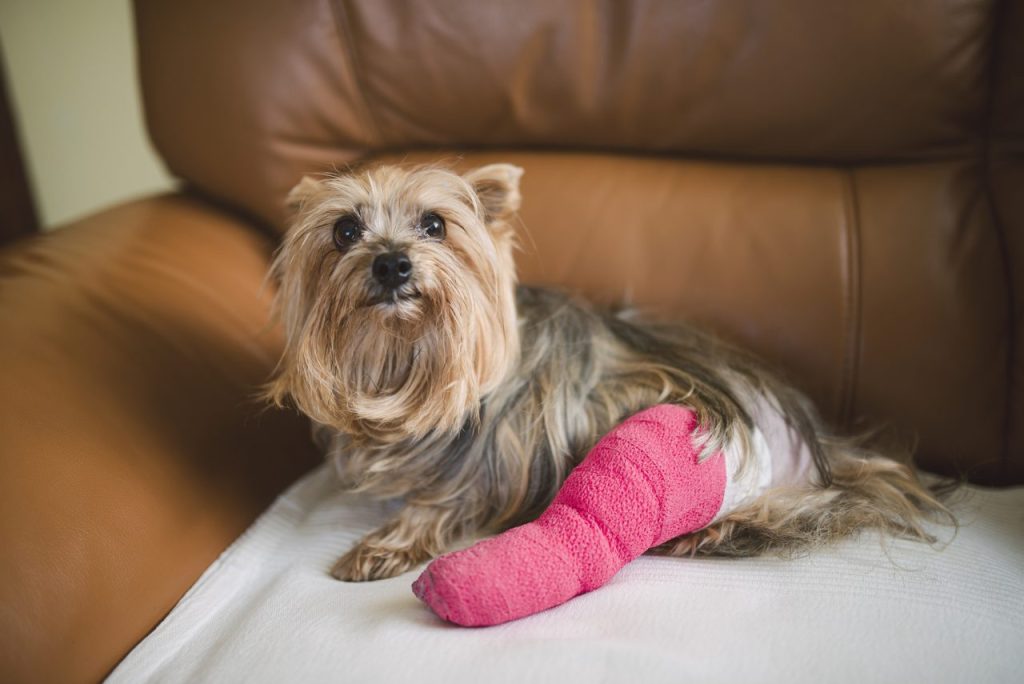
(301, 193)
(497, 187)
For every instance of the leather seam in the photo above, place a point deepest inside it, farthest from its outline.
(998, 12)
(340, 13)
(852, 301)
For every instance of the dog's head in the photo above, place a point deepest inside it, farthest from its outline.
(397, 298)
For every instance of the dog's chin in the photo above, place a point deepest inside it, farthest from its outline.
(405, 304)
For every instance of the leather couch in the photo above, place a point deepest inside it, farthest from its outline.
(837, 186)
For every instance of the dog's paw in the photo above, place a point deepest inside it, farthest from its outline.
(367, 562)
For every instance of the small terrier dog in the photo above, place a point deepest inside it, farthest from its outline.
(432, 377)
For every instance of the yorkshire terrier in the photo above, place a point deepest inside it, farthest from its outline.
(437, 380)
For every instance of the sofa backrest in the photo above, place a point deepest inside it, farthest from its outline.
(838, 186)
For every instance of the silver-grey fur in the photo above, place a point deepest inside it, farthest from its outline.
(571, 373)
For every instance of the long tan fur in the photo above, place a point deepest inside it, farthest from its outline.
(472, 398)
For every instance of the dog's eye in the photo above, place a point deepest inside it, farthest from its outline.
(347, 231)
(432, 225)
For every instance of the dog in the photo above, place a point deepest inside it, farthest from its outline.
(432, 377)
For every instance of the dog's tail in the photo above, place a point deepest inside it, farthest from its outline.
(867, 492)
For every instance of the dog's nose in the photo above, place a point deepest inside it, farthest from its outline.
(392, 269)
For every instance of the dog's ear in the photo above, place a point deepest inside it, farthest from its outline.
(497, 187)
(307, 188)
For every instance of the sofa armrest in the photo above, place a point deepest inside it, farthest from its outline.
(132, 447)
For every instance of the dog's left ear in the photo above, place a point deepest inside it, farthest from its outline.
(497, 187)
(306, 188)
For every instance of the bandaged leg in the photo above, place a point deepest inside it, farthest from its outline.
(641, 485)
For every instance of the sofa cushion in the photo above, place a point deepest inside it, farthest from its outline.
(863, 611)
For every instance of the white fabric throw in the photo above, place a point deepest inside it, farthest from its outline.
(267, 611)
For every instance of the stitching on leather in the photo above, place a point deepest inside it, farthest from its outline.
(999, 11)
(341, 15)
(852, 285)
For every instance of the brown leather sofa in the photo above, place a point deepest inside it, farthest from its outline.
(838, 186)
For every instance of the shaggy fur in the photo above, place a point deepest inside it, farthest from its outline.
(472, 398)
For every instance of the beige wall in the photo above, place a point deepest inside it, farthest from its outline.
(71, 75)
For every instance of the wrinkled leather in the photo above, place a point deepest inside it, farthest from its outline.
(284, 86)
(832, 274)
(906, 118)
(835, 185)
(132, 447)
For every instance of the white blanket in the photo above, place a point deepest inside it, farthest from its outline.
(267, 611)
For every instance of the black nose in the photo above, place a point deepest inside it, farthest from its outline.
(392, 269)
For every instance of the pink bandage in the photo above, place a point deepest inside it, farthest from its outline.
(640, 486)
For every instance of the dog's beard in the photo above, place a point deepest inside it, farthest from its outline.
(400, 362)
(387, 369)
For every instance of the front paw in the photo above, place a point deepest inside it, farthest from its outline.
(367, 562)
